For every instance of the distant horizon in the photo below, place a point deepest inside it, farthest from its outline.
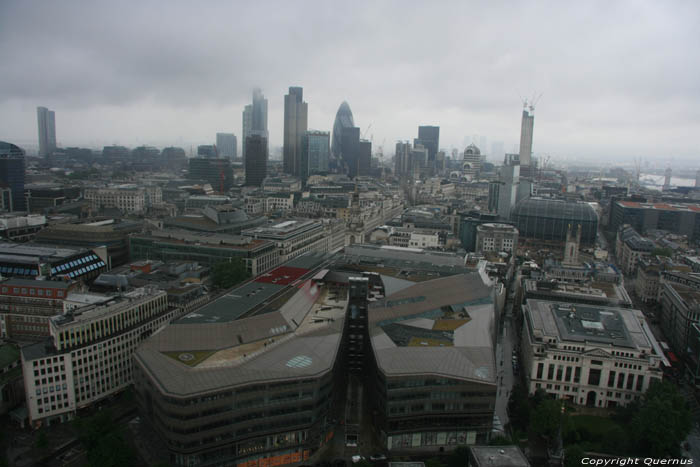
(623, 86)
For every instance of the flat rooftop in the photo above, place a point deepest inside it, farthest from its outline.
(394, 254)
(282, 229)
(569, 322)
(266, 288)
(500, 456)
(661, 206)
(36, 252)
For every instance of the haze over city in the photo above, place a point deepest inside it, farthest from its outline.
(617, 80)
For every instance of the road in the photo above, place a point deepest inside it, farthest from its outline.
(507, 341)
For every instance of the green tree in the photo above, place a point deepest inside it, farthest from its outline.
(226, 274)
(519, 407)
(662, 252)
(500, 440)
(459, 457)
(573, 455)
(104, 441)
(42, 441)
(547, 419)
(662, 422)
(434, 462)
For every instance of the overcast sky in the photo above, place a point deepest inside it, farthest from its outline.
(619, 79)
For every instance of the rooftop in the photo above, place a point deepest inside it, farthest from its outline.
(298, 340)
(443, 326)
(501, 456)
(579, 323)
(660, 206)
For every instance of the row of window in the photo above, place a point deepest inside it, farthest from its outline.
(32, 291)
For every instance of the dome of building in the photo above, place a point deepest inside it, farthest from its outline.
(472, 150)
(549, 219)
(343, 119)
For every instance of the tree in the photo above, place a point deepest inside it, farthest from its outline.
(662, 422)
(104, 441)
(42, 441)
(459, 457)
(662, 252)
(499, 440)
(546, 419)
(519, 407)
(434, 462)
(573, 455)
(226, 274)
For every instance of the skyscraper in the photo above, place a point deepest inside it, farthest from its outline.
(295, 125)
(343, 119)
(315, 152)
(429, 137)
(255, 118)
(12, 174)
(46, 122)
(227, 145)
(256, 160)
(526, 129)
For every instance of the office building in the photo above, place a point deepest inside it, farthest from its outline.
(315, 153)
(207, 150)
(116, 154)
(29, 261)
(355, 154)
(217, 172)
(343, 119)
(206, 248)
(496, 238)
(433, 378)
(227, 145)
(256, 160)
(295, 125)
(680, 310)
(642, 216)
(112, 234)
(20, 227)
(12, 175)
(46, 121)
(27, 305)
(128, 198)
(429, 138)
(549, 219)
(402, 156)
(630, 248)
(526, 129)
(471, 163)
(255, 118)
(292, 237)
(266, 377)
(88, 356)
(588, 354)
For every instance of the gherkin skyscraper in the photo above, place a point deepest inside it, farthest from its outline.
(343, 119)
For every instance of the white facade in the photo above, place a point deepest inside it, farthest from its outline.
(496, 238)
(586, 366)
(127, 198)
(92, 357)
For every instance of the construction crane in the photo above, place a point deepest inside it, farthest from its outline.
(365, 132)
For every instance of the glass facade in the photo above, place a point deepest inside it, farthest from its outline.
(12, 173)
(343, 119)
(549, 219)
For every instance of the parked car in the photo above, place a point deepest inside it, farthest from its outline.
(377, 457)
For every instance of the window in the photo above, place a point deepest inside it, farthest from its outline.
(611, 379)
(540, 370)
(550, 373)
(594, 377)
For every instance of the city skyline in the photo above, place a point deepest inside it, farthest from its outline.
(624, 85)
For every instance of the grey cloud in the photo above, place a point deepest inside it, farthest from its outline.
(620, 76)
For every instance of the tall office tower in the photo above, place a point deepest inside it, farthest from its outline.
(471, 165)
(697, 179)
(429, 138)
(343, 119)
(295, 125)
(509, 178)
(12, 175)
(227, 145)
(256, 160)
(255, 118)
(315, 153)
(46, 121)
(402, 158)
(526, 128)
(247, 126)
